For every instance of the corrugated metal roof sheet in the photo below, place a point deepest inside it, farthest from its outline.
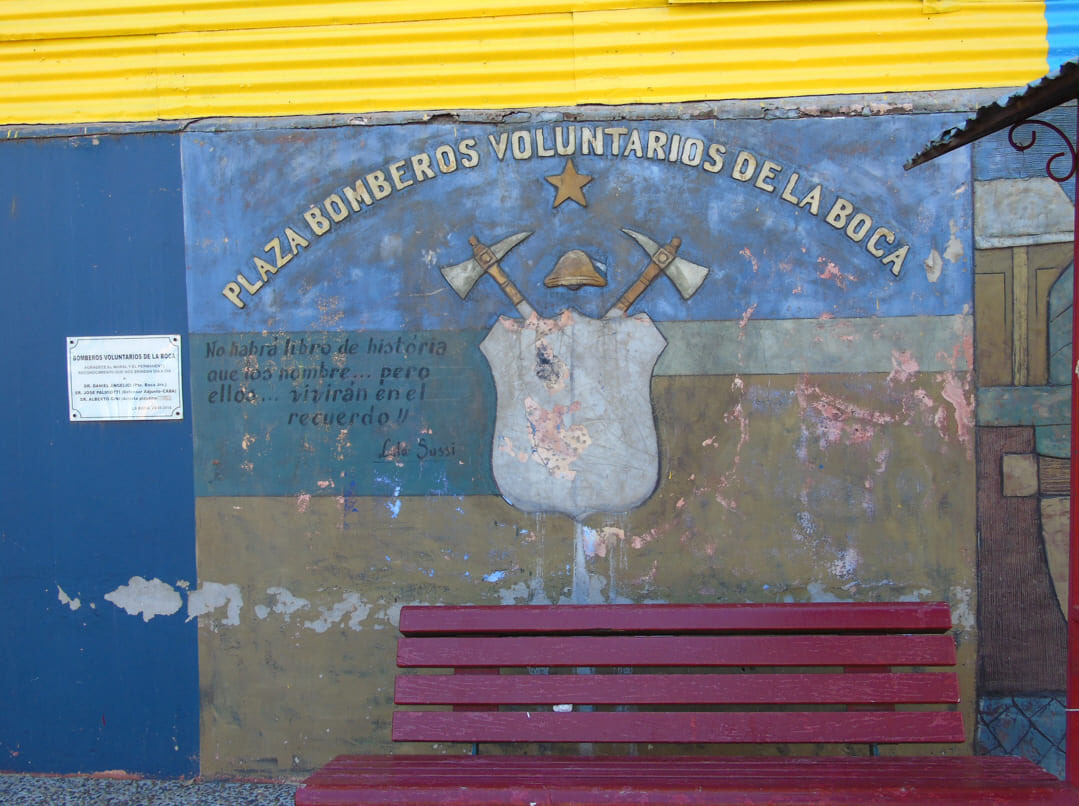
(141, 59)
(1062, 17)
(74, 19)
(1058, 87)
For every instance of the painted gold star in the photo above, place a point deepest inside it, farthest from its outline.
(570, 184)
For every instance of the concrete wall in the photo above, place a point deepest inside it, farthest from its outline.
(357, 436)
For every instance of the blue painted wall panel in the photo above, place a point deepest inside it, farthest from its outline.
(996, 158)
(93, 237)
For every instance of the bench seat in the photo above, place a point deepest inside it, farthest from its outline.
(695, 781)
(622, 679)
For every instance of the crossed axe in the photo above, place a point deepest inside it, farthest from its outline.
(687, 277)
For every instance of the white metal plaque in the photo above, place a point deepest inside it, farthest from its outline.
(124, 378)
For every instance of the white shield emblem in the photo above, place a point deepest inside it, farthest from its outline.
(574, 430)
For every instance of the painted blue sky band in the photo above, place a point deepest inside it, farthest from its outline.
(727, 188)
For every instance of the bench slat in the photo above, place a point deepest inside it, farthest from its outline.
(782, 792)
(695, 618)
(677, 689)
(451, 769)
(658, 651)
(696, 781)
(678, 727)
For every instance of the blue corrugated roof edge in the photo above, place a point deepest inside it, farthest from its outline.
(1062, 19)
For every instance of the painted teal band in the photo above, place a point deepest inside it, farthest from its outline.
(785, 346)
(1023, 405)
(372, 413)
(412, 413)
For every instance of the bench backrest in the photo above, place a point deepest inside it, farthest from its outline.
(679, 673)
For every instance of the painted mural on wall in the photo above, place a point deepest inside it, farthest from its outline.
(1023, 301)
(293, 304)
(561, 361)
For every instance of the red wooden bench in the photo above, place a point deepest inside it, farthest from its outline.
(819, 674)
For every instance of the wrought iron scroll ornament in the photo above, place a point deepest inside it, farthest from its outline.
(1049, 165)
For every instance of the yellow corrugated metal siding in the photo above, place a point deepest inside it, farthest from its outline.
(66, 62)
(65, 19)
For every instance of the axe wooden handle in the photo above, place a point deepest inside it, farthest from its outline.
(489, 262)
(660, 261)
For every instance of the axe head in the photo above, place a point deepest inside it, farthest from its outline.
(463, 276)
(686, 276)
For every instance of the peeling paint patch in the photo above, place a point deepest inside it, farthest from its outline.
(818, 593)
(543, 327)
(303, 501)
(922, 398)
(954, 251)
(806, 523)
(555, 445)
(955, 392)
(834, 273)
(352, 605)
(904, 366)
(286, 603)
(846, 564)
(342, 444)
(147, 598)
(934, 265)
(506, 446)
(519, 592)
(915, 596)
(392, 613)
(642, 540)
(330, 313)
(746, 315)
(752, 260)
(64, 599)
(394, 506)
(494, 576)
(599, 542)
(837, 420)
(735, 415)
(213, 595)
(962, 609)
(882, 465)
